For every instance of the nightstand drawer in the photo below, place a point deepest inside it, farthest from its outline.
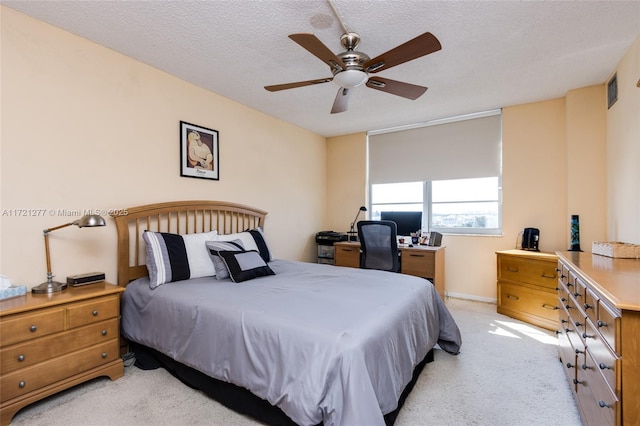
(30, 353)
(23, 381)
(22, 327)
(530, 271)
(97, 310)
(534, 302)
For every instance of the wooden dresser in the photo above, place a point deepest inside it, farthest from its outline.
(49, 343)
(421, 261)
(599, 335)
(527, 284)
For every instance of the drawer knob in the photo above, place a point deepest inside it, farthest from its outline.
(94, 313)
(576, 294)
(567, 330)
(512, 269)
(604, 366)
(578, 352)
(22, 385)
(587, 306)
(603, 404)
(33, 328)
(569, 365)
(20, 358)
(576, 382)
(104, 355)
(104, 332)
(569, 284)
(586, 367)
(587, 336)
(512, 297)
(602, 324)
(550, 307)
(579, 324)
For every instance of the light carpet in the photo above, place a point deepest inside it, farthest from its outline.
(507, 373)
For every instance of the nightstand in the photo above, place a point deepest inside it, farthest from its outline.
(527, 286)
(52, 342)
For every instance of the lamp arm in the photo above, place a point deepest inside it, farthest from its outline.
(353, 224)
(46, 231)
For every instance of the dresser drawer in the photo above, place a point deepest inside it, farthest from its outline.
(530, 271)
(523, 299)
(22, 327)
(30, 353)
(26, 380)
(608, 324)
(93, 311)
(598, 401)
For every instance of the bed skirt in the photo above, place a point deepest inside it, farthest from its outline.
(237, 398)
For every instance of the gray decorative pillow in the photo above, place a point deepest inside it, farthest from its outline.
(245, 265)
(213, 247)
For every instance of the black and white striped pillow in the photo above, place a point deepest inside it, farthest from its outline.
(213, 247)
(252, 239)
(173, 257)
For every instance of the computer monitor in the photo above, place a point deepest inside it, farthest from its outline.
(406, 222)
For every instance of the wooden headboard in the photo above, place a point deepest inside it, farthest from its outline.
(178, 217)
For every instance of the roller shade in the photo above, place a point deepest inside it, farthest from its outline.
(468, 148)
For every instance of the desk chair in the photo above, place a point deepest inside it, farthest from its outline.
(378, 244)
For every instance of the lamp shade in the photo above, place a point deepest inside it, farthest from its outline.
(89, 221)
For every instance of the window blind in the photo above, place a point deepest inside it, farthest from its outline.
(467, 148)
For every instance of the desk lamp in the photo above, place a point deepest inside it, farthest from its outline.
(352, 231)
(51, 286)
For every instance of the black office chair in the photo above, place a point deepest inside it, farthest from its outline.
(379, 245)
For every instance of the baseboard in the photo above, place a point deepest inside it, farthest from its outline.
(471, 297)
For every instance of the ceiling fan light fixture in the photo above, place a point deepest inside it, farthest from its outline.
(350, 78)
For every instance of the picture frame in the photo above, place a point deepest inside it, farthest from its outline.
(199, 152)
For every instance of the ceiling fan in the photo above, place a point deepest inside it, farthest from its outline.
(351, 68)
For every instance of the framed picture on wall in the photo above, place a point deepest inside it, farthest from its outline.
(199, 152)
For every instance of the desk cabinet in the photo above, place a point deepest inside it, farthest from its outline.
(527, 283)
(347, 254)
(421, 261)
(598, 329)
(52, 342)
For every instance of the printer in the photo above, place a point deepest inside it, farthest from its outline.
(327, 238)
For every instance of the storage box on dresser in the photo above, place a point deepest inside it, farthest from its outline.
(527, 284)
(49, 343)
(599, 335)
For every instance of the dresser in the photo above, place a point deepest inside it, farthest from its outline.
(49, 343)
(527, 284)
(599, 336)
(421, 261)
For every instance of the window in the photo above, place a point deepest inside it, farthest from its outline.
(448, 169)
(457, 206)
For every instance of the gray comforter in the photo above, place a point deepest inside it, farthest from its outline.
(323, 343)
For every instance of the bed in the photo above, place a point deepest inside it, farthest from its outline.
(286, 342)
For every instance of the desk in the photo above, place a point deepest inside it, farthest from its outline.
(421, 261)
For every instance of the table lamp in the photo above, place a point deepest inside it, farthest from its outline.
(51, 286)
(352, 231)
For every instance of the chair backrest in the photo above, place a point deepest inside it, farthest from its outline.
(379, 245)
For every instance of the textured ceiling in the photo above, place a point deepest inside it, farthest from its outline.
(494, 54)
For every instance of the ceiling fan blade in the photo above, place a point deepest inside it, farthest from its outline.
(341, 104)
(415, 48)
(278, 87)
(318, 49)
(398, 88)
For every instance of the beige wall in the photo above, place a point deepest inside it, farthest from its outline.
(84, 127)
(346, 178)
(623, 152)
